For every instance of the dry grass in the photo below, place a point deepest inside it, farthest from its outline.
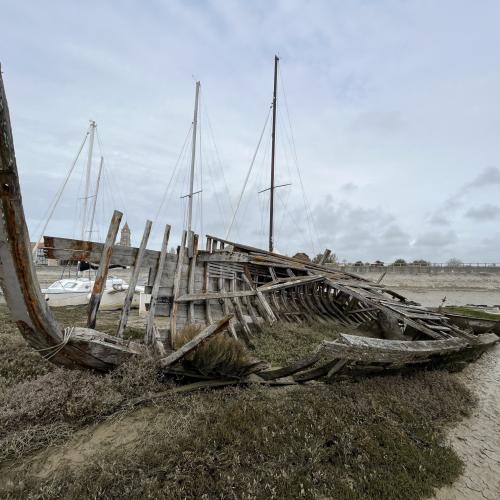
(221, 356)
(378, 438)
(381, 438)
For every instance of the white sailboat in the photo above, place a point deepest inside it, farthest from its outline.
(77, 290)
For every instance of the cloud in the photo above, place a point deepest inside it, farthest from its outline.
(438, 219)
(435, 240)
(348, 187)
(483, 213)
(378, 122)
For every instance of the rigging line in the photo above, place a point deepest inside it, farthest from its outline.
(212, 136)
(294, 151)
(248, 175)
(59, 193)
(173, 173)
(111, 173)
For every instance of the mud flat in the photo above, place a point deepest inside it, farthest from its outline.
(477, 438)
(459, 289)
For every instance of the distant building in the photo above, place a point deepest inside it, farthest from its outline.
(125, 236)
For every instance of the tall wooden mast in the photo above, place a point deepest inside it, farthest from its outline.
(193, 159)
(273, 155)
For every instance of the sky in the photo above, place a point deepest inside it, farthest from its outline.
(387, 129)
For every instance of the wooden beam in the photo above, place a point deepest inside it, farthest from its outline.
(177, 284)
(156, 286)
(292, 368)
(133, 280)
(324, 257)
(102, 273)
(192, 268)
(194, 343)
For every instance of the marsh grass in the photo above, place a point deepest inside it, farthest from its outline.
(352, 440)
(282, 343)
(381, 437)
(220, 356)
(472, 312)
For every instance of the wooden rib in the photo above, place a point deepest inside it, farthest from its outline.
(192, 268)
(133, 281)
(102, 273)
(225, 306)
(156, 286)
(239, 314)
(267, 311)
(177, 282)
(208, 311)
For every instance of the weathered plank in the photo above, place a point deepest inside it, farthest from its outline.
(203, 336)
(177, 281)
(156, 285)
(192, 267)
(102, 272)
(133, 280)
(292, 368)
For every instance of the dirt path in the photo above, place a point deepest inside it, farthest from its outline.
(477, 438)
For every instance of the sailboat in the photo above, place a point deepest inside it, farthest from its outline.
(73, 291)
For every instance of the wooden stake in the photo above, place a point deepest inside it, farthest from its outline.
(177, 284)
(102, 273)
(156, 286)
(133, 280)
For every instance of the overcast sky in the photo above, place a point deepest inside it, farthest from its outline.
(392, 107)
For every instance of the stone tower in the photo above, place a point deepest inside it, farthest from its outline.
(125, 236)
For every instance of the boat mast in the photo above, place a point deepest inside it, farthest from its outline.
(193, 158)
(87, 178)
(273, 154)
(94, 201)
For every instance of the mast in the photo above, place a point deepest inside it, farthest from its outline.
(193, 158)
(273, 154)
(94, 202)
(87, 179)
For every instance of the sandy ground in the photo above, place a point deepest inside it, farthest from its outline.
(477, 438)
(459, 288)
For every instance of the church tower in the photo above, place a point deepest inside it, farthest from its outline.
(125, 236)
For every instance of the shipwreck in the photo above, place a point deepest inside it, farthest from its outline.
(226, 288)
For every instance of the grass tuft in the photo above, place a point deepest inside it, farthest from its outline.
(220, 356)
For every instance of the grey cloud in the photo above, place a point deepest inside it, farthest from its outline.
(484, 213)
(348, 187)
(435, 239)
(438, 219)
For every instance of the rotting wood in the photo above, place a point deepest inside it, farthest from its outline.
(177, 282)
(192, 267)
(156, 286)
(203, 336)
(324, 257)
(292, 368)
(102, 272)
(133, 280)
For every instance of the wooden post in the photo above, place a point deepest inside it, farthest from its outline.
(324, 257)
(192, 268)
(133, 280)
(102, 273)
(156, 286)
(177, 284)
